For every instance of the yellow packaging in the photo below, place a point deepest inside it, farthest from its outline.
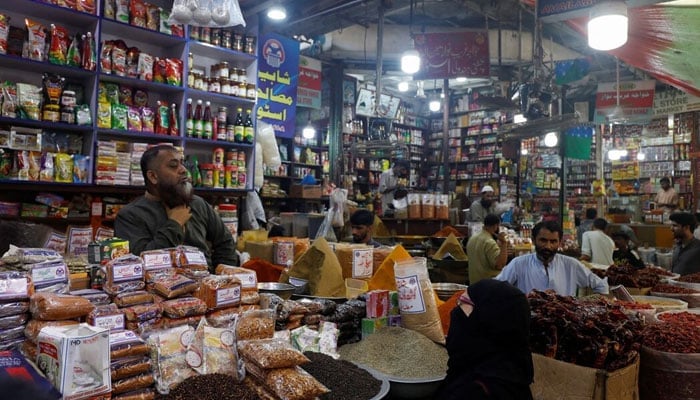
(104, 115)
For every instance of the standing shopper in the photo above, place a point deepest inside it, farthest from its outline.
(169, 214)
(667, 196)
(483, 206)
(488, 345)
(597, 247)
(546, 269)
(686, 252)
(487, 251)
(586, 225)
(389, 183)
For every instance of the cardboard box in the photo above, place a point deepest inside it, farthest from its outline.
(305, 191)
(377, 303)
(106, 250)
(75, 359)
(555, 380)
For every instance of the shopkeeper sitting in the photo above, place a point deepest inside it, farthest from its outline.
(483, 206)
(362, 222)
(547, 269)
(169, 214)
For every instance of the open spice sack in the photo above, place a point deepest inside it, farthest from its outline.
(383, 278)
(320, 268)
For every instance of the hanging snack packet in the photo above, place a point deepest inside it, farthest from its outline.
(86, 6)
(147, 119)
(122, 13)
(106, 57)
(80, 168)
(83, 115)
(4, 32)
(29, 99)
(137, 13)
(73, 57)
(173, 71)
(47, 169)
(89, 52)
(119, 61)
(64, 167)
(58, 49)
(36, 40)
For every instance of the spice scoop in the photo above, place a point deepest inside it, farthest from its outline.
(620, 292)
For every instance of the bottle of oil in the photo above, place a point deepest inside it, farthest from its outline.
(248, 130)
(239, 126)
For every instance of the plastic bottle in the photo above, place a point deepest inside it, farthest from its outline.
(173, 125)
(198, 124)
(248, 130)
(189, 120)
(208, 128)
(238, 126)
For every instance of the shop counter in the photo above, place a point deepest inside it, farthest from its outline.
(657, 235)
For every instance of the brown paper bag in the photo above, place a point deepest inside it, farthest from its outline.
(452, 246)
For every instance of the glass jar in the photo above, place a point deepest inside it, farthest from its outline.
(250, 91)
(226, 38)
(249, 44)
(198, 81)
(215, 36)
(205, 83)
(242, 75)
(214, 85)
(225, 85)
(194, 32)
(205, 34)
(68, 98)
(242, 89)
(233, 74)
(234, 87)
(238, 41)
(223, 69)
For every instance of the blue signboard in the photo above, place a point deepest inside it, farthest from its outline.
(278, 74)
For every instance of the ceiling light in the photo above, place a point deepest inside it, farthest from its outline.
(461, 79)
(410, 60)
(607, 25)
(277, 12)
(614, 155)
(518, 118)
(523, 152)
(551, 139)
(434, 105)
(403, 86)
(309, 131)
(641, 156)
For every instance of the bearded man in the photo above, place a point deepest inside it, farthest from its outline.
(484, 206)
(169, 214)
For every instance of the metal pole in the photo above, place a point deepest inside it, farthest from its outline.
(380, 44)
(445, 133)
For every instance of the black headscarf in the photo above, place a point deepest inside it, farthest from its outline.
(488, 350)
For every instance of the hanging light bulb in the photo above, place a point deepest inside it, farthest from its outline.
(614, 155)
(608, 25)
(551, 139)
(403, 86)
(641, 156)
(309, 131)
(277, 12)
(410, 61)
(434, 105)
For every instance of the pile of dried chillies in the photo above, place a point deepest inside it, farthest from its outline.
(684, 318)
(672, 338)
(692, 278)
(593, 332)
(628, 276)
(666, 288)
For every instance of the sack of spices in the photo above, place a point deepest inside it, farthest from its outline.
(417, 300)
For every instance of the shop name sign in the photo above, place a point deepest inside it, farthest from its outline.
(636, 99)
(673, 101)
(560, 10)
(309, 90)
(453, 54)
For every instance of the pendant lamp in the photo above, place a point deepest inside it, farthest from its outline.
(608, 25)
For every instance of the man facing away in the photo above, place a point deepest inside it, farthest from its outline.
(169, 214)
(487, 250)
(597, 246)
(547, 269)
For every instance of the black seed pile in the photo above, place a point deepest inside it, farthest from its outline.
(345, 380)
(210, 387)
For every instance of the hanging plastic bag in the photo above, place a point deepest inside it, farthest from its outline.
(210, 13)
(326, 229)
(254, 213)
(259, 179)
(338, 199)
(270, 150)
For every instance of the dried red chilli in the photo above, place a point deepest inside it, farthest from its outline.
(633, 305)
(672, 338)
(666, 288)
(693, 278)
(684, 317)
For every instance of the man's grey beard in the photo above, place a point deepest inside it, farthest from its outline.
(177, 195)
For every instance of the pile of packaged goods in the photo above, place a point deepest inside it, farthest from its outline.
(162, 319)
(117, 58)
(143, 15)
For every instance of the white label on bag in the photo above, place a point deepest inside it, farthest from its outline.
(228, 296)
(49, 272)
(410, 295)
(156, 260)
(362, 263)
(248, 280)
(112, 322)
(195, 258)
(127, 272)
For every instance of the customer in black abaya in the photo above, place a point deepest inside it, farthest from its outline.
(487, 344)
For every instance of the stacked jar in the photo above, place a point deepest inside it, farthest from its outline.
(218, 170)
(235, 169)
(226, 38)
(223, 79)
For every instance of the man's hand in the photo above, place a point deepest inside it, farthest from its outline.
(180, 214)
